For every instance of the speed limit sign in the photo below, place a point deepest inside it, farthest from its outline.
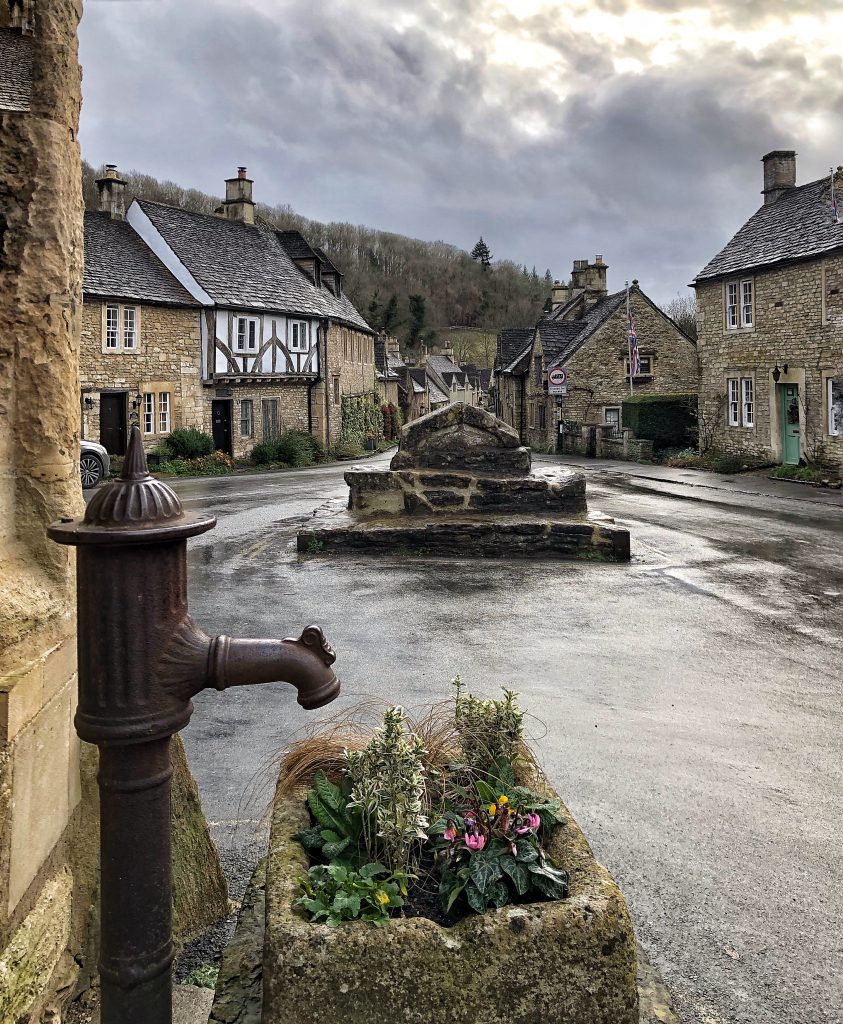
(557, 381)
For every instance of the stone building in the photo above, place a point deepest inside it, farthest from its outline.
(216, 322)
(585, 334)
(140, 334)
(770, 321)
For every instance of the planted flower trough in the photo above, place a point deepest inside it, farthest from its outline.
(428, 874)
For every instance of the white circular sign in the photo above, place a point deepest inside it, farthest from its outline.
(557, 376)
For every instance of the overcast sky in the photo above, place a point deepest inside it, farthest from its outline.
(631, 128)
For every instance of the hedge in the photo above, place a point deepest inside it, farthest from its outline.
(669, 421)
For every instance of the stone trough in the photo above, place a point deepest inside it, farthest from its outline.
(461, 484)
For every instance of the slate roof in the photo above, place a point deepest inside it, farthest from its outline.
(512, 342)
(419, 379)
(297, 246)
(119, 265)
(326, 262)
(382, 361)
(797, 226)
(15, 70)
(561, 338)
(245, 266)
(442, 365)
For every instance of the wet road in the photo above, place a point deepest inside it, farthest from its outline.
(687, 706)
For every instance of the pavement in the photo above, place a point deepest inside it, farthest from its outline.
(686, 706)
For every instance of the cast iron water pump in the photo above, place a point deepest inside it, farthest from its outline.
(141, 660)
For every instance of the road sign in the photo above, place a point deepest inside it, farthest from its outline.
(557, 381)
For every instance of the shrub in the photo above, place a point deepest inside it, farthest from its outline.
(317, 449)
(811, 474)
(666, 420)
(263, 453)
(188, 443)
(292, 450)
(488, 730)
(348, 448)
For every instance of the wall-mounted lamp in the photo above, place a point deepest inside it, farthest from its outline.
(777, 372)
(89, 402)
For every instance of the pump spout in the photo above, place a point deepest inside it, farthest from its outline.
(194, 661)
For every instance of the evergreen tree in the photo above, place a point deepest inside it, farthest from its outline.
(391, 315)
(482, 254)
(418, 320)
(375, 313)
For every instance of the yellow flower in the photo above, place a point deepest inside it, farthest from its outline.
(382, 897)
(492, 809)
(503, 800)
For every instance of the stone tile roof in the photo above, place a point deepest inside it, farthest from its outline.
(327, 265)
(297, 246)
(561, 338)
(797, 226)
(245, 266)
(119, 265)
(15, 70)
(383, 361)
(443, 365)
(512, 342)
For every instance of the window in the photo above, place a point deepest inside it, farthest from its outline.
(835, 406)
(149, 413)
(336, 391)
(612, 416)
(163, 412)
(129, 327)
(246, 334)
(740, 392)
(747, 394)
(740, 305)
(269, 409)
(246, 417)
(542, 416)
(112, 326)
(645, 366)
(298, 336)
(537, 369)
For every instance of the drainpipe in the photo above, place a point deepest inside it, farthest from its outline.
(521, 411)
(141, 661)
(326, 328)
(312, 385)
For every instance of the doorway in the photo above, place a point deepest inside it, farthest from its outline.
(221, 425)
(791, 430)
(113, 421)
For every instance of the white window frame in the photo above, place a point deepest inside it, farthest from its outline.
(835, 422)
(733, 401)
(748, 401)
(739, 303)
(164, 412)
(130, 327)
(251, 334)
(747, 303)
(112, 327)
(299, 335)
(247, 407)
(731, 299)
(149, 412)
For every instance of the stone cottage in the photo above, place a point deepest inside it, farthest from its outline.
(770, 315)
(585, 334)
(139, 358)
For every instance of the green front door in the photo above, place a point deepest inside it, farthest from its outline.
(791, 448)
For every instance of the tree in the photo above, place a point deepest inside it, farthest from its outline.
(482, 254)
(682, 310)
(391, 318)
(418, 320)
(375, 314)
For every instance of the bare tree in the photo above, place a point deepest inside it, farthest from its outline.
(708, 417)
(682, 310)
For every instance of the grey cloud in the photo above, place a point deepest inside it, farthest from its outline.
(338, 113)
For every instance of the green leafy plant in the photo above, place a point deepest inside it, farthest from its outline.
(315, 545)
(361, 418)
(338, 830)
(292, 449)
(387, 786)
(334, 893)
(188, 443)
(203, 976)
(491, 851)
(488, 730)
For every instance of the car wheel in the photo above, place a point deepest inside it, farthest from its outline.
(90, 469)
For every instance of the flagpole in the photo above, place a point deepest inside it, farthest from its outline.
(835, 209)
(628, 340)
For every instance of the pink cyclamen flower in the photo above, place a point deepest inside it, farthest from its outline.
(523, 830)
(534, 820)
(450, 833)
(475, 842)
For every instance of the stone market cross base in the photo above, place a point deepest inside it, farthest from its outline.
(460, 485)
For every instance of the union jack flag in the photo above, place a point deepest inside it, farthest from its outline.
(632, 336)
(835, 207)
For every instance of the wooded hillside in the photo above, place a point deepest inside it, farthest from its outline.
(417, 290)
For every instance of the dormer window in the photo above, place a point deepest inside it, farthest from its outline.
(298, 336)
(740, 304)
(246, 333)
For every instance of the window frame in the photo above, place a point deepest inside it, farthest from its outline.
(747, 401)
(163, 418)
(125, 329)
(747, 320)
(642, 358)
(149, 411)
(835, 423)
(615, 409)
(249, 321)
(297, 344)
(247, 407)
(740, 402)
(733, 401)
(337, 396)
(112, 331)
(275, 405)
(739, 304)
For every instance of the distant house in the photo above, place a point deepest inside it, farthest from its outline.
(585, 334)
(770, 320)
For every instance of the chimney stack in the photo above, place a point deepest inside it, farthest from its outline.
(589, 279)
(559, 295)
(238, 204)
(779, 174)
(110, 187)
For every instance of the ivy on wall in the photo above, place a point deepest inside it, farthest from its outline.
(362, 417)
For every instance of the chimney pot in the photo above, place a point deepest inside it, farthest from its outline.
(779, 174)
(111, 193)
(241, 172)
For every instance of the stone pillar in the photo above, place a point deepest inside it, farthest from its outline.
(40, 304)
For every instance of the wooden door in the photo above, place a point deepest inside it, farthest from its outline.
(791, 441)
(113, 422)
(221, 425)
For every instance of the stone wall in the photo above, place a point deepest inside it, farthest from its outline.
(350, 359)
(597, 371)
(292, 399)
(798, 321)
(166, 359)
(509, 400)
(40, 303)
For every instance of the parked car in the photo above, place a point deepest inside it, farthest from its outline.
(93, 463)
